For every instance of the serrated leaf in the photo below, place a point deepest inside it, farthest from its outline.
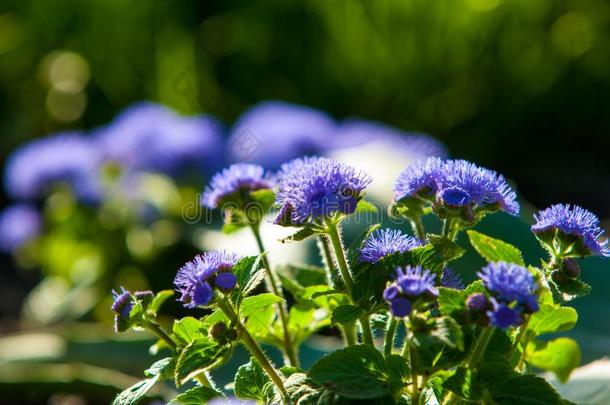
(524, 390)
(163, 368)
(249, 275)
(251, 382)
(451, 301)
(196, 396)
(300, 235)
(159, 299)
(346, 314)
(187, 329)
(551, 318)
(358, 372)
(461, 383)
(251, 305)
(495, 250)
(136, 392)
(448, 331)
(195, 358)
(474, 287)
(560, 356)
(572, 288)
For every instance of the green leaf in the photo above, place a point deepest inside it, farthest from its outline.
(551, 318)
(231, 227)
(196, 396)
(560, 356)
(572, 288)
(461, 383)
(474, 287)
(495, 250)
(346, 314)
(159, 299)
(136, 392)
(524, 390)
(251, 305)
(365, 207)
(249, 275)
(300, 235)
(187, 329)
(265, 197)
(251, 382)
(451, 301)
(163, 368)
(358, 372)
(195, 358)
(448, 331)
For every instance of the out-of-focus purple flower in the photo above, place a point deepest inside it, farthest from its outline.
(411, 284)
(477, 303)
(151, 137)
(571, 221)
(451, 279)
(196, 280)
(320, 189)
(34, 168)
(502, 316)
(19, 224)
(274, 132)
(357, 132)
(384, 242)
(234, 181)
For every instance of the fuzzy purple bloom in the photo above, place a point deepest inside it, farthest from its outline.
(451, 279)
(418, 179)
(508, 281)
(477, 302)
(322, 188)
(384, 242)
(225, 280)
(66, 158)
(122, 304)
(196, 278)
(411, 284)
(150, 137)
(19, 224)
(234, 181)
(273, 132)
(456, 183)
(295, 164)
(502, 316)
(575, 221)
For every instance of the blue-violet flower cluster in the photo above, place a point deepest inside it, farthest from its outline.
(570, 222)
(319, 189)
(234, 183)
(384, 242)
(19, 224)
(513, 290)
(410, 285)
(197, 279)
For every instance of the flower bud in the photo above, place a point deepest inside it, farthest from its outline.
(570, 268)
(218, 330)
(478, 303)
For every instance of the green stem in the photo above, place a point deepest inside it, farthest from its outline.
(367, 333)
(333, 232)
(349, 334)
(252, 346)
(418, 228)
(447, 225)
(414, 376)
(470, 362)
(390, 333)
(335, 239)
(289, 349)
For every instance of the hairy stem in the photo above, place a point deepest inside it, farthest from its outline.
(388, 343)
(289, 349)
(418, 228)
(333, 232)
(349, 334)
(252, 346)
(447, 225)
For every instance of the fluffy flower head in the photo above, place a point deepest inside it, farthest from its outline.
(574, 221)
(418, 179)
(384, 242)
(196, 280)
(508, 282)
(411, 284)
(318, 189)
(234, 181)
(451, 279)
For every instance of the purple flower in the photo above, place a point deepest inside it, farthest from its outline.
(295, 164)
(571, 221)
(410, 285)
(419, 179)
(463, 183)
(196, 279)
(235, 182)
(151, 137)
(65, 158)
(456, 183)
(502, 316)
(122, 304)
(384, 242)
(273, 132)
(451, 279)
(19, 224)
(477, 303)
(323, 188)
(357, 132)
(508, 281)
